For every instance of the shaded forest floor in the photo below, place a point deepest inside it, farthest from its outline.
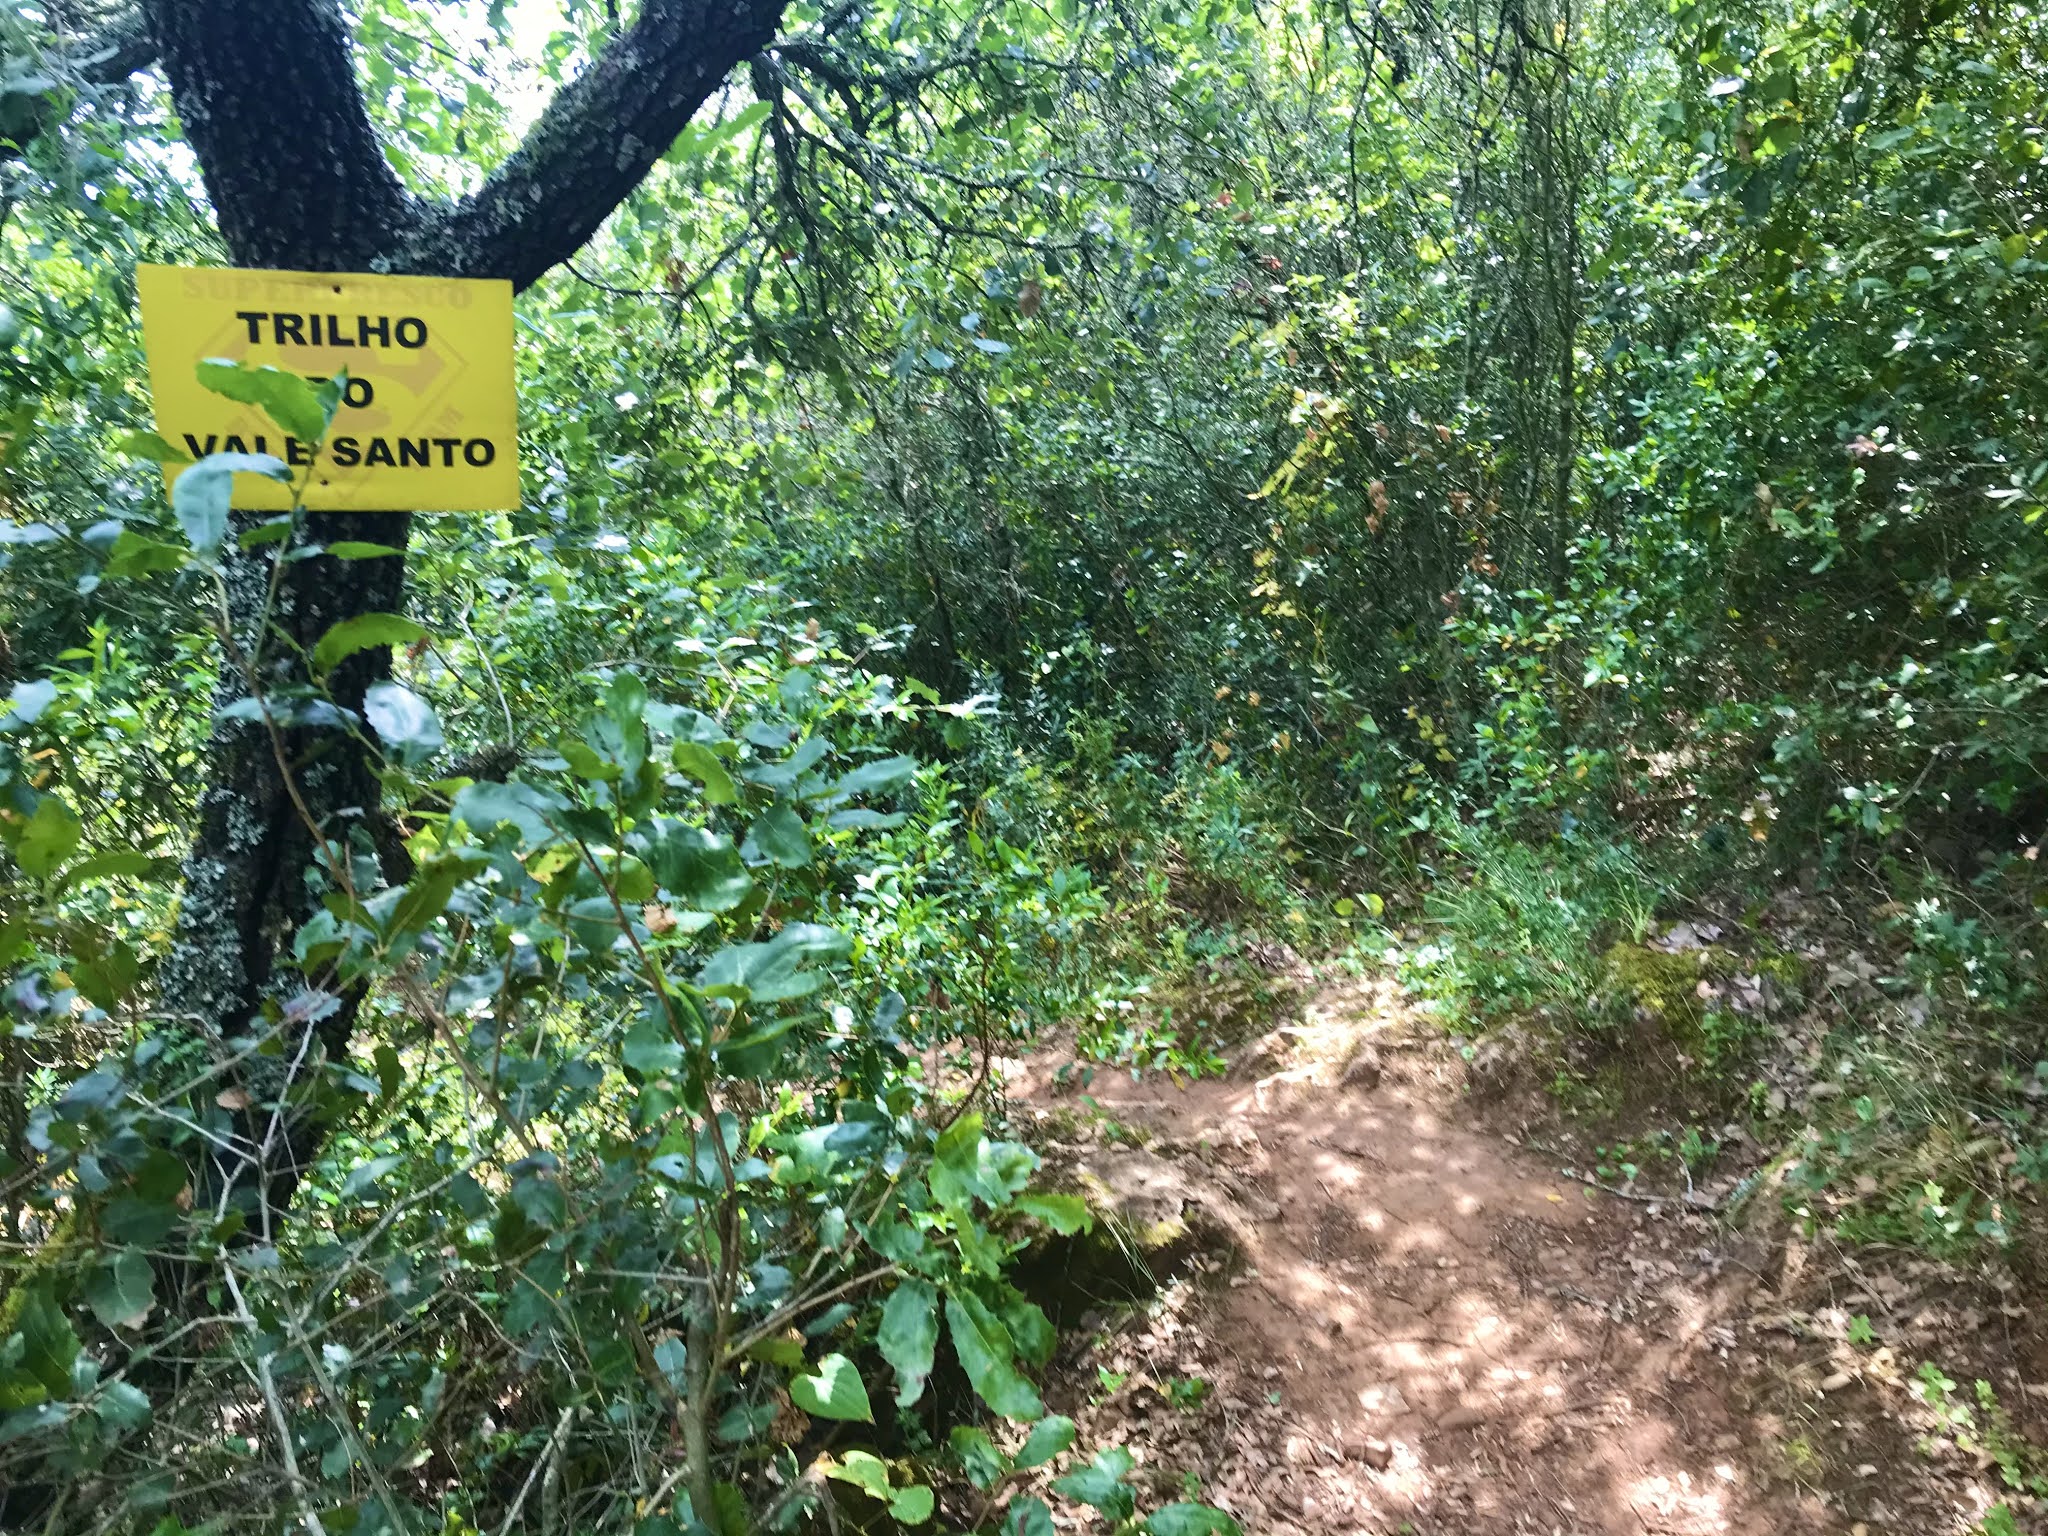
(1381, 1310)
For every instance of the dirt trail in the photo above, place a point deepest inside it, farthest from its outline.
(1425, 1328)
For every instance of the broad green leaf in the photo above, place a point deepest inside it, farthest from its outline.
(49, 1345)
(872, 778)
(404, 722)
(864, 1470)
(778, 834)
(699, 867)
(1101, 1484)
(833, 1391)
(124, 864)
(1065, 1214)
(651, 1050)
(147, 445)
(284, 397)
(482, 807)
(134, 554)
(1190, 1520)
(1048, 1437)
(48, 839)
(363, 632)
(20, 1389)
(122, 1290)
(201, 494)
(912, 1505)
(364, 1176)
(1027, 1517)
(361, 549)
(1029, 1328)
(27, 701)
(909, 1336)
(702, 764)
(773, 972)
(977, 1455)
(121, 1406)
(985, 1352)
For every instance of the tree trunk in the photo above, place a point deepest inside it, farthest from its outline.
(267, 94)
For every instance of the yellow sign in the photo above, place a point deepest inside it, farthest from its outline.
(430, 418)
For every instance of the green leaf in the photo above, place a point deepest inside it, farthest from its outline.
(909, 1336)
(284, 397)
(1048, 1437)
(201, 494)
(122, 1291)
(985, 1352)
(20, 1389)
(1029, 1328)
(390, 1071)
(1101, 1483)
(772, 972)
(125, 864)
(49, 1344)
(404, 722)
(27, 701)
(484, 806)
(1027, 1517)
(1065, 1214)
(363, 632)
(41, 1419)
(912, 1505)
(778, 835)
(977, 1455)
(834, 1391)
(133, 554)
(361, 549)
(699, 867)
(702, 764)
(147, 445)
(121, 1405)
(692, 142)
(48, 838)
(864, 1470)
(785, 1352)
(872, 778)
(1190, 1520)
(364, 1176)
(650, 1050)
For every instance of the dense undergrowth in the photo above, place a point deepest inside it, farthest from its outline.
(1550, 503)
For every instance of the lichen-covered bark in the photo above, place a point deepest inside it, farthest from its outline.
(267, 94)
(254, 874)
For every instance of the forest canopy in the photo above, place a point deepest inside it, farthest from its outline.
(1037, 522)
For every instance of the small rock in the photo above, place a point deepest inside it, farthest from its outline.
(1373, 1451)
(1362, 1070)
(1836, 1382)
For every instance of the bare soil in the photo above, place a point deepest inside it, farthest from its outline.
(1385, 1313)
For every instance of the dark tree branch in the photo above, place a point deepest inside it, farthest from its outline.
(597, 140)
(114, 52)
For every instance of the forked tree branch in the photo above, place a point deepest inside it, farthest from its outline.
(598, 139)
(298, 176)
